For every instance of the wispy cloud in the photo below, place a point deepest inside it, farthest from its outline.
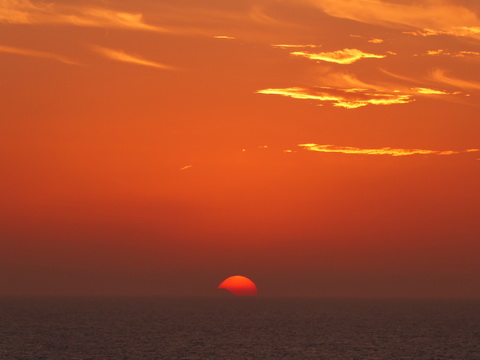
(345, 56)
(347, 91)
(439, 75)
(120, 55)
(32, 13)
(295, 46)
(37, 54)
(370, 40)
(381, 151)
(456, 54)
(345, 98)
(472, 31)
(427, 91)
(226, 37)
(431, 17)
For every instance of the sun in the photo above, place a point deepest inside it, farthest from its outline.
(239, 286)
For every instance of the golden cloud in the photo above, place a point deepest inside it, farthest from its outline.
(345, 98)
(440, 76)
(32, 13)
(37, 54)
(465, 31)
(347, 91)
(345, 56)
(120, 55)
(458, 54)
(432, 17)
(427, 91)
(295, 46)
(381, 151)
(226, 37)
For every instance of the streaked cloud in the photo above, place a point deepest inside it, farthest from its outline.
(370, 40)
(427, 91)
(35, 12)
(259, 14)
(439, 75)
(380, 151)
(431, 17)
(226, 37)
(345, 56)
(295, 46)
(345, 98)
(457, 54)
(120, 55)
(345, 90)
(186, 167)
(36, 54)
(473, 31)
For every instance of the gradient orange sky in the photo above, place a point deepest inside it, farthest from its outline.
(319, 147)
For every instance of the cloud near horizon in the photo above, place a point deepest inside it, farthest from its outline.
(439, 75)
(431, 17)
(347, 91)
(26, 12)
(36, 54)
(380, 151)
(345, 98)
(344, 57)
(120, 55)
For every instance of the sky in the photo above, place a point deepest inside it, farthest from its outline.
(323, 148)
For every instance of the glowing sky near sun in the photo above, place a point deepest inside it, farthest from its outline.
(321, 147)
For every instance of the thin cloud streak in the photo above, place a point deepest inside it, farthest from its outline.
(294, 46)
(344, 57)
(226, 37)
(440, 76)
(345, 98)
(36, 54)
(431, 17)
(120, 55)
(381, 151)
(347, 91)
(455, 54)
(27, 12)
(465, 31)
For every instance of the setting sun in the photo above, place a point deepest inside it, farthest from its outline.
(239, 286)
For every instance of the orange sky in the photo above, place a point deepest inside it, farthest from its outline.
(319, 147)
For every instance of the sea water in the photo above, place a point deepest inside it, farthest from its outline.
(238, 328)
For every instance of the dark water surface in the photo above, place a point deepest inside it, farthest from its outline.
(239, 328)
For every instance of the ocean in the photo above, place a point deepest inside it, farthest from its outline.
(238, 328)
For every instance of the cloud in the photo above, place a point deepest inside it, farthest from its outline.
(120, 55)
(427, 91)
(457, 54)
(226, 37)
(345, 56)
(295, 46)
(473, 31)
(345, 98)
(440, 76)
(186, 167)
(347, 91)
(370, 40)
(37, 54)
(32, 13)
(381, 151)
(432, 17)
